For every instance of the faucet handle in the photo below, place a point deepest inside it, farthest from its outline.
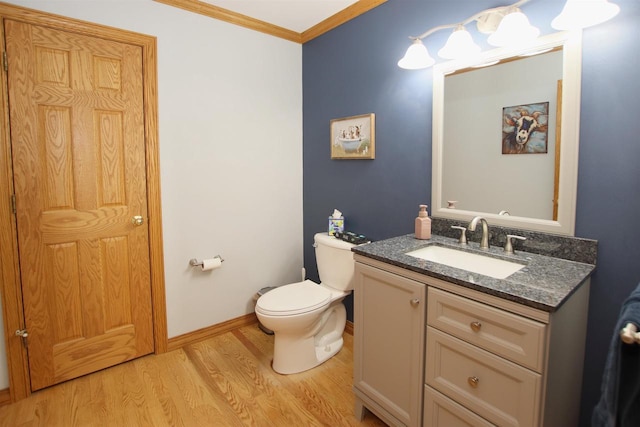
(463, 234)
(508, 248)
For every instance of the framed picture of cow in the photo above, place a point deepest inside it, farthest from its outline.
(525, 128)
(354, 137)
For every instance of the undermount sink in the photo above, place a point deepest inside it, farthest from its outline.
(475, 263)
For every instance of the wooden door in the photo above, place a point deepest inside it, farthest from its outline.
(78, 147)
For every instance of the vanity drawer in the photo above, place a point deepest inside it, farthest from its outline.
(440, 411)
(499, 391)
(514, 337)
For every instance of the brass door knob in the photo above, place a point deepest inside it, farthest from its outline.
(137, 220)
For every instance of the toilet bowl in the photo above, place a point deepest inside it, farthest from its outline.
(307, 318)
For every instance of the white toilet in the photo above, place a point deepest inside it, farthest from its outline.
(308, 319)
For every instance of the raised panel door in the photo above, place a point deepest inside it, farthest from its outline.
(389, 314)
(78, 147)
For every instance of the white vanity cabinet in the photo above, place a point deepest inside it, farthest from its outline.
(509, 364)
(474, 353)
(389, 332)
(487, 360)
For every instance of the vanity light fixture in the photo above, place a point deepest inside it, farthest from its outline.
(514, 29)
(417, 57)
(584, 13)
(507, 26)
(459, 45)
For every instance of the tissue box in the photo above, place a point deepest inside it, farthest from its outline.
(336, 225)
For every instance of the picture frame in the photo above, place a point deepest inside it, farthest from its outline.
(525, 128)
(353, 137)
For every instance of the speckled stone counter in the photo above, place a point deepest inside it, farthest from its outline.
(552, 245)
(544, 283)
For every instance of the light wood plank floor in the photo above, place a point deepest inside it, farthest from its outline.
(223, 381)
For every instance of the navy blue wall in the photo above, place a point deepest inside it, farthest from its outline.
(352, 70)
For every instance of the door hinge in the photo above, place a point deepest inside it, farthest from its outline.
(22, 333)
(13, 204)
(5, 62)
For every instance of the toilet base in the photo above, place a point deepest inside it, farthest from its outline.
(293, 354)
(326, 352)
(265, 329)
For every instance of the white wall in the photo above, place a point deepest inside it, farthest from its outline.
(230, 117)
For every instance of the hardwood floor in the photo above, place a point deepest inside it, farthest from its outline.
(223, 381)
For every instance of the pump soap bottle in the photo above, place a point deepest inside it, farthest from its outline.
(423, 224)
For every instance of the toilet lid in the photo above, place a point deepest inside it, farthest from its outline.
(295, 298)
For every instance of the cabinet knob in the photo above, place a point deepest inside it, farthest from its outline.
(475, 326)
(415, 302)
(473, 381)
(137, 220)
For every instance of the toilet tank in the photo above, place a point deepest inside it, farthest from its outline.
(335, 262)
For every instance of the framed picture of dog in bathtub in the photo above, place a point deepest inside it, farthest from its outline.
(354, 137)
(525, 129)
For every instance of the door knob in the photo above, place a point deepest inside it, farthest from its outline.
(137, 220)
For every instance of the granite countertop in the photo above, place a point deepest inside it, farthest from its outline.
(544, 283)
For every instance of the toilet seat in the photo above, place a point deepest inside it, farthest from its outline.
(296, 298)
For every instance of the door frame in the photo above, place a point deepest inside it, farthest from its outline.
(10, 285)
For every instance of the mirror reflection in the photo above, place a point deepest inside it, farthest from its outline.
(500, 123)
(505, 136)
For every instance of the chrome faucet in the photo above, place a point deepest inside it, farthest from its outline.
(484, 243)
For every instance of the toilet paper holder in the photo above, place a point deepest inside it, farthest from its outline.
(195, 263)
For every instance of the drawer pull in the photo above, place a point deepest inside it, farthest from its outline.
(475, 326)
(414, 302)
(473, 381)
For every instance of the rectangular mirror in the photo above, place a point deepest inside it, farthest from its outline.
(505, 136)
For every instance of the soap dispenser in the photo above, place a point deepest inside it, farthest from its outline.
(423, 224)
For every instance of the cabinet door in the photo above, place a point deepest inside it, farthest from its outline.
(389, 323)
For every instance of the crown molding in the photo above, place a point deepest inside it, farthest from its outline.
(351, 12)
(226, 15)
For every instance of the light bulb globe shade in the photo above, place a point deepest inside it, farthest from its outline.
(578, 14)
(459, 45)
(416, 57)
(514, 29)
